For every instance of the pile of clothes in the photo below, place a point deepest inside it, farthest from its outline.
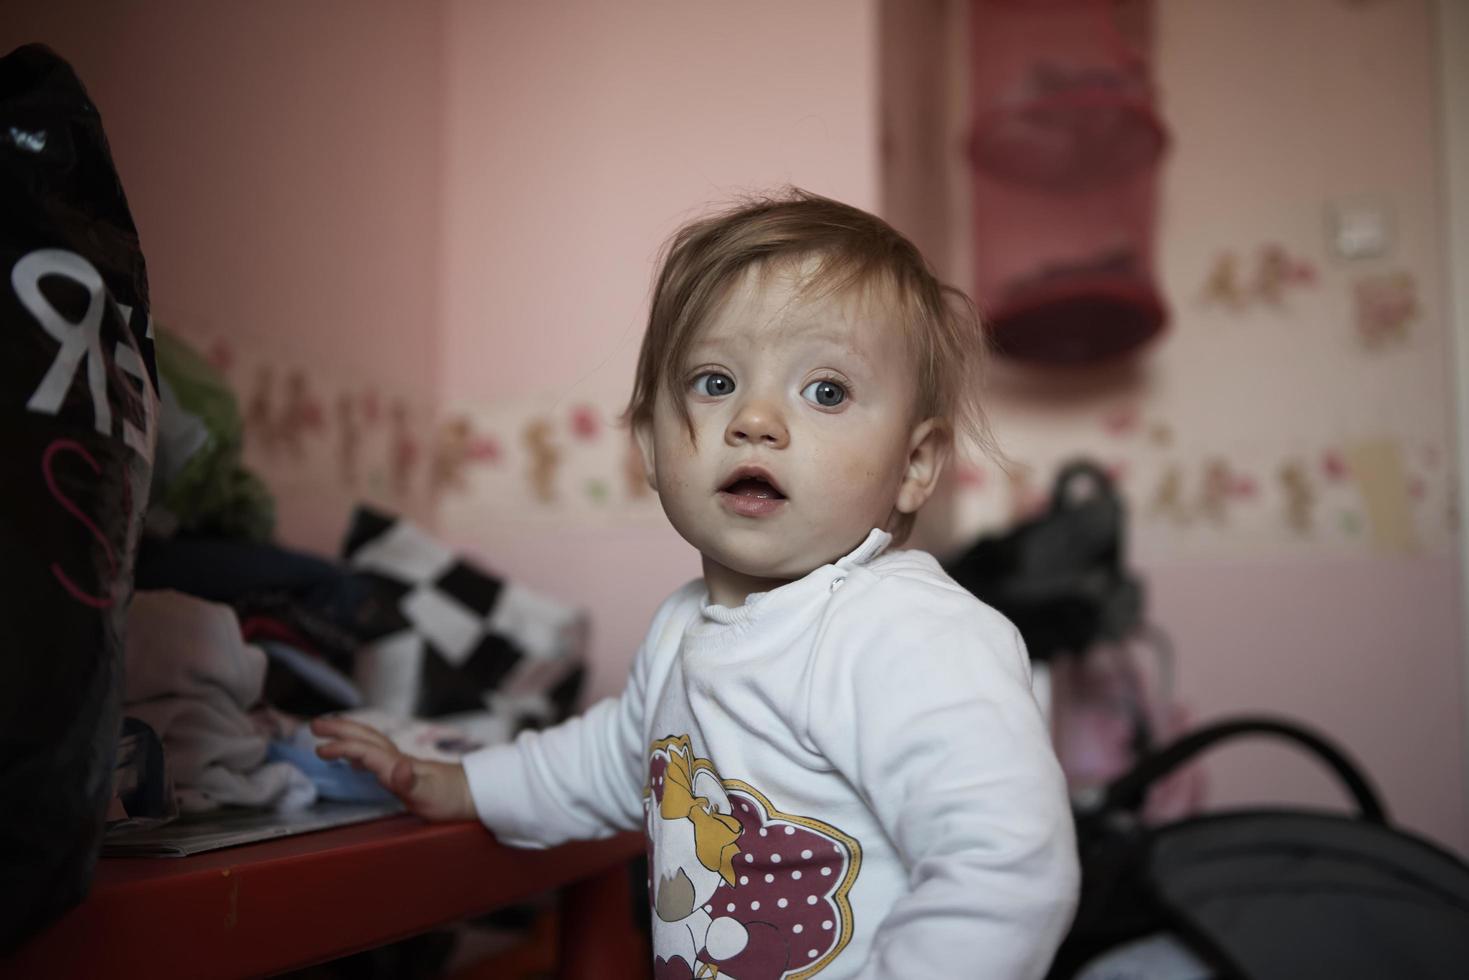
(233, 645)
(234, 642)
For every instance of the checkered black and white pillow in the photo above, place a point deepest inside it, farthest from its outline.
(472, 642)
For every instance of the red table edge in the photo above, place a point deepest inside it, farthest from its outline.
(282, 904)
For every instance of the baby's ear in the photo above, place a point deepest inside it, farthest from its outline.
(928, 453)
(642, 433)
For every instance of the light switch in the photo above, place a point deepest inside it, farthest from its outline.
(1359, 228)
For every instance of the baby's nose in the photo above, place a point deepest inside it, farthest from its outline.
(760, 423)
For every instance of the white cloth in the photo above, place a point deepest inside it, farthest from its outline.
(847, 774)
(191, 678)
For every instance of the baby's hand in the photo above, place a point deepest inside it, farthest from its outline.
(433, 790)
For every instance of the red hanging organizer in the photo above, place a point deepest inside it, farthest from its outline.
(1065, 153)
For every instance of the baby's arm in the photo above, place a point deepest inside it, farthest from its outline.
(574, 781)
(582, 779)
(433, 790)
(933, 720)
(570, 782)
(577, 781)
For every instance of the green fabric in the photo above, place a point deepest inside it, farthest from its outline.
(213, 493)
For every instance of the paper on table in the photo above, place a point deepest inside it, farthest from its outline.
(230, 827)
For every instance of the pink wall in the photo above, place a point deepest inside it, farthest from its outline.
(580, 134)
(282, 162)
(1276, 110)
(1366, 652)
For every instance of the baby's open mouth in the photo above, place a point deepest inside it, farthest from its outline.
(753, 486)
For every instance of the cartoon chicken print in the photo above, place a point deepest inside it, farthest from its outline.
(739, 890)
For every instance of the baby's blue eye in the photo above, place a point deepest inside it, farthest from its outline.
(714, 384)
(827, 394)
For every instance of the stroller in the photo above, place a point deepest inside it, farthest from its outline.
(1257, 894)
(1103, 674)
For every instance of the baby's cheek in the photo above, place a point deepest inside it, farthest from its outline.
(852, 467)
(861, 481)
(672, 479)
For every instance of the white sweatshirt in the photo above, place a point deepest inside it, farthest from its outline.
(847, 775)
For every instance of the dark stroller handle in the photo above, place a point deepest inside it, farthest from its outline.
(1063, 494)
(1128, 790)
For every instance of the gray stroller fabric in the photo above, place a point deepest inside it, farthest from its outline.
(1261, 894)
(1300, 895)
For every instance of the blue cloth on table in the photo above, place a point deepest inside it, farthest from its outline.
(334, 779)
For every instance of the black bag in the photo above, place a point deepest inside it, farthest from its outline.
(78, 399)
(1261, 894)
(1060, 577)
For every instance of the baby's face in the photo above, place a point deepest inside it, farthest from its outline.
(804, 412)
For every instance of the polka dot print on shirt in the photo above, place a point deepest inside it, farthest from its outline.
(787, 886)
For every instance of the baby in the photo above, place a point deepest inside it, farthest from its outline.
(832, 748)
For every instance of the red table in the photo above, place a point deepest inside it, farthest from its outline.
(281, 904)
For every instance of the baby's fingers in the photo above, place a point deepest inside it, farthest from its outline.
(364, 755)
(346, 728)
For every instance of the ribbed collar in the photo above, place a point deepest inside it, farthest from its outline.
(819, 579)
